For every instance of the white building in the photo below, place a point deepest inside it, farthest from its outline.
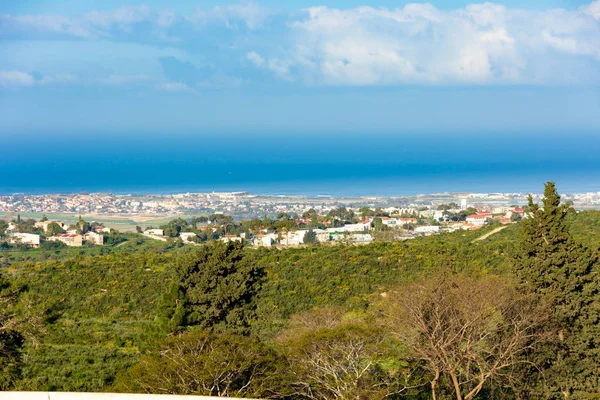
(28, 239)
(323, 235)
(94, 238)
(427, 230)
(266, 240)
(479, 218)
(155, 232)
(391, 222)
(186, 236)
(351, 228)
(352, 238)
(44, 225)
(295, 238)
(231, 238)
(71, 240)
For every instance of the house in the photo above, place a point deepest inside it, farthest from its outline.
(155, 232)
(427, 230)
(322, 235)
(28, 239)
(71, 240)
(363, 227)
(387, 221)
(406, 221)
(438, 214)
(231, 238)
(102, 229)
(266, 240)
(355, 238)
(44, 225)
(186, 236)
(479, 218)
(515, 211)
(95, 238)
(292, 238)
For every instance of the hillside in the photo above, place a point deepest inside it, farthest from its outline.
(99, 309)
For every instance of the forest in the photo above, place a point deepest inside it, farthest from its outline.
(514, 316)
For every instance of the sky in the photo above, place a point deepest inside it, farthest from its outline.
(135, 67)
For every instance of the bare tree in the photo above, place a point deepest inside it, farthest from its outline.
(468, 331)
(330, 358)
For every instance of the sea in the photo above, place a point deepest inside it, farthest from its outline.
(336, 164)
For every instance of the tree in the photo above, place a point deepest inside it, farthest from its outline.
(209, 364)
(341, 359)
(311, 213)
(464, 337)
(557, 270)
(285, 227)
(219, 282)
(82, 226)
(44, 218)
(11, 340)
(53, 229)
(310, 237)
(446, 207)
(139, 229)
(366, 212)
(515, 217)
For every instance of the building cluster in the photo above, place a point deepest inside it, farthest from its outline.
(69, 236)
(363, 232)
(242, 205)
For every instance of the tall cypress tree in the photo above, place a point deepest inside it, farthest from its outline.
(216, 286)
(564, 275)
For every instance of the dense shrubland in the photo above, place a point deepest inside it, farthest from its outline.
(512, 316)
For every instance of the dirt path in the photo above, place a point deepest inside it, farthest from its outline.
(155, 237)
(487, 235)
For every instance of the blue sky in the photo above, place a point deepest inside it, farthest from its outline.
(298, 66)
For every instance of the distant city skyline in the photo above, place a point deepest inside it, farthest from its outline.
(333, 66)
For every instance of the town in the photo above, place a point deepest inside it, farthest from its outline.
(243, 205)
(333, 225)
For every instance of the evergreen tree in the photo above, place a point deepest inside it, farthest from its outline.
(54, 229)
(11, 340)
(219, 283)
(83, 226)
(562, 274)
(310, 237)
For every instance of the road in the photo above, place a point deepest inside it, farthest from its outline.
(487, 235)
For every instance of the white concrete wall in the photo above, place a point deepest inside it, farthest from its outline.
(95, 396)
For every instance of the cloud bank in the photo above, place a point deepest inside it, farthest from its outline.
(418, 44)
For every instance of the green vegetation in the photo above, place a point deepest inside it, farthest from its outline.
(519, 312)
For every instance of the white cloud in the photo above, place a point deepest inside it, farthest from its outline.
(481, 43)
(592, 9)
(250, 14)
(175, 87)
(16, 78)
(92, 25)
(255, 58)
(120, 80)
(59, 79)
(417, 44)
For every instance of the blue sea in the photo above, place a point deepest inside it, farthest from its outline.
(335, 164)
